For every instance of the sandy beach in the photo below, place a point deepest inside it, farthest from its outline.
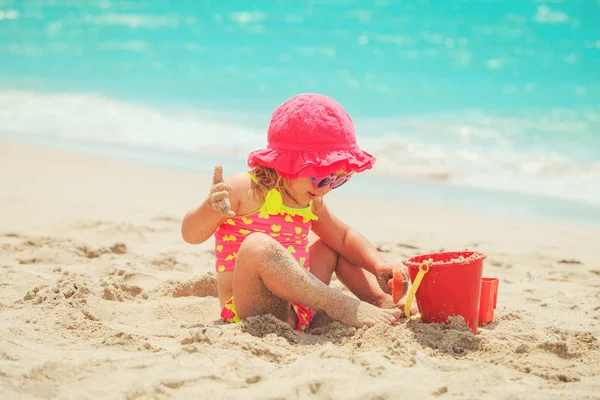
(101, 298)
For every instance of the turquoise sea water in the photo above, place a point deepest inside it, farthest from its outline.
(493, 105)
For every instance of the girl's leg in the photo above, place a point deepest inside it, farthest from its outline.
(267, 277)
(362, 283)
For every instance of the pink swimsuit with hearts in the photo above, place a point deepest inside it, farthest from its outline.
(288, 226)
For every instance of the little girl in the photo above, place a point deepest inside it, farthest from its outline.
(266, 262)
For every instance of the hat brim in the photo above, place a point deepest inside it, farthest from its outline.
(291, 164)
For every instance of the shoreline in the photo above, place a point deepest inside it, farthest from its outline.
(412, 190)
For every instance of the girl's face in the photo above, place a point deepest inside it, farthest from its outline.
(303, 189)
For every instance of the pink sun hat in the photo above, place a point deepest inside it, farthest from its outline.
(311, 135)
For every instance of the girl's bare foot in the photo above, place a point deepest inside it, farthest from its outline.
(385, 301)
(356, 313)
(414, 309)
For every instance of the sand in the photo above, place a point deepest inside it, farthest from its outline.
(101, 298)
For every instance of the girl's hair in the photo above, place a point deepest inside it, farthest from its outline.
(267, 179)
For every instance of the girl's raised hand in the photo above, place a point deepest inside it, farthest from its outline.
(219, 194)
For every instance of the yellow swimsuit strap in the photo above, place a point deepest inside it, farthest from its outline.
(273, 205)
(252, 177)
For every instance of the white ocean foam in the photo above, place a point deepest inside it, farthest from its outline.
(247, 17)
(9, 14)
(471, 149)
(546, 15)
(527, 154)
(548, 174)
(95, 119)
(133, 21)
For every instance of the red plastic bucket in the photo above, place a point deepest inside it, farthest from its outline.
(448, 287)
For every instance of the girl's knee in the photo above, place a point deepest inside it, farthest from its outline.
(323, 261)
(320, 251)
(257, 246)
(261, 252)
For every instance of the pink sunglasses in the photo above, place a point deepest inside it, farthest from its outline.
(334, 180)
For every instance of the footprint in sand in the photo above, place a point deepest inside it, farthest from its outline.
(46, 250)
(571, 345)
(128, 341)
(204, 286)
(168, 263)
(120, 291)
(181, 261)
(121, 285)
(558, 348)
(203, 335)
(117, 248)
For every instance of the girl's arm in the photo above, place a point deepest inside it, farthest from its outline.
(200, 223)
(347, 242)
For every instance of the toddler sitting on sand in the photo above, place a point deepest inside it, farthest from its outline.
(266, 262)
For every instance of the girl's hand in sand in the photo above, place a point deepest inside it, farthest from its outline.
(385, 274)
(219, 194)
(386, 277)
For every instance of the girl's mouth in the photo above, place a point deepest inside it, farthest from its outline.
(312, 195)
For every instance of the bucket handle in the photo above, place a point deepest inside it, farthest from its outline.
(423, 269)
